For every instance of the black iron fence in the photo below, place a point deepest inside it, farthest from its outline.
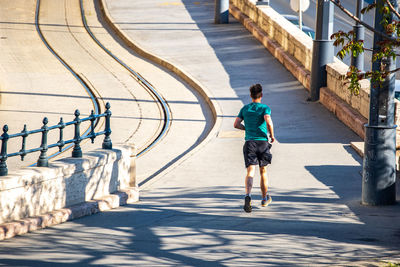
(76, 152)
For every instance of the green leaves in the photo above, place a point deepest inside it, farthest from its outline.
(386, 48)
(354, 76)
(348, 43)
(368, 8)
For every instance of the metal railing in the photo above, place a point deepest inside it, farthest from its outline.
(43, 160)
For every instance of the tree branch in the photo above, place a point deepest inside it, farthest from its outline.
(371, 50)
(348, 13)
(392, 9)
(393, 71)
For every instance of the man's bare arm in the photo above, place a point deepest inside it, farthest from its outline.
(270, 127)
(238, 124)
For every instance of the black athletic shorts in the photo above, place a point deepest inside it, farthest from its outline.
(257, 153)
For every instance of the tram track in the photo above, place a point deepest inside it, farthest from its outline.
(91, 89)
(165, 108)
(46, 87)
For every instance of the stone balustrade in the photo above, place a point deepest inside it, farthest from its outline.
(67, 182)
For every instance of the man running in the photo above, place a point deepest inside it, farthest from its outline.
(256, 150)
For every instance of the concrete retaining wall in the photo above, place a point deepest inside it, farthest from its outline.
(31, 192)
(293, 49)
(337, 84)
(283, 39)
(360, 103)
(286, 34)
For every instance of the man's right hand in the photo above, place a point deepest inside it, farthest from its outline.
(238, 124)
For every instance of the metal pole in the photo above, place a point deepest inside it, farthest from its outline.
(221, 12)
(77, 151)
(61, 142)
(3, 160)
(322, 47)
(43, 161)
(107, 144)
(262, 3)
(300, 17)
(379, 164)
(358, 61)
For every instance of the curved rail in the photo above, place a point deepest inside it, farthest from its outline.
(143, 81)
(164, 104)
(94, 100)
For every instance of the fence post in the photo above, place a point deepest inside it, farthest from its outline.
(322, 53)
(24, 136)
(77, 152)
(61, 141)
(221, 13)
(107, 140)
(262, 2)
(92, 133)
(3, 164)
(43, 161)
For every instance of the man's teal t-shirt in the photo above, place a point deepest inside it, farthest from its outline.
(253, 116)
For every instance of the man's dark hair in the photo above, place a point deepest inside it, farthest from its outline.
(256, 91)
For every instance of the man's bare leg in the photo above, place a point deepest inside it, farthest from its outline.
(263, 181)
(248, 186)
(266, 199)
(249, 178)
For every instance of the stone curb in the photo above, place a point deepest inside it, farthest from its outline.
(180, 72)
(20, 227)
(358, 147)
(344, 112)
(349, 116)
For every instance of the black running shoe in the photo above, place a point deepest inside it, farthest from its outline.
(265, 202)
(247, 204)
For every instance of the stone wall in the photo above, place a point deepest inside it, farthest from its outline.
(287, 35)
(293, 49)
(283, 39)
(337, 84)
(31, 192)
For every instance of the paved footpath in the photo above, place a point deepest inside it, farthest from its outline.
(192, 215)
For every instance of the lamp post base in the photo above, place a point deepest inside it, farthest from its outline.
(379, 166)
(221, 15)
(262, 3)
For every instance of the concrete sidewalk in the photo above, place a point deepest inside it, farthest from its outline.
(192, 215)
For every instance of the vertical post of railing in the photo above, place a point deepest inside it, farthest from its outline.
(60, 142)
(358, 29)
(262, 2)
(107, 140)
(43, 161)
(92, 133)
(322, 53)
(77, 152)
(3, 164)
(221, 15)
(24, 136)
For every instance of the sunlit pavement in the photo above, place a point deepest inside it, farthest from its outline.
(192, 215)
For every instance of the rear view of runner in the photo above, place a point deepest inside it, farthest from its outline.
(256, 150)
